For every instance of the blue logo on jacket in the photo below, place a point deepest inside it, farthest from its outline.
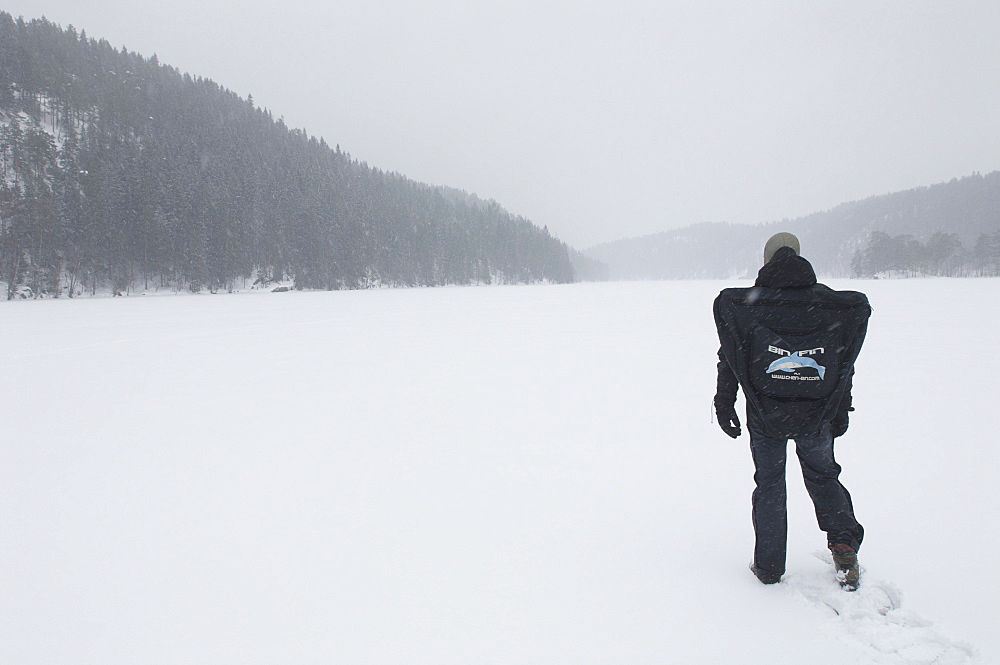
(794, 362)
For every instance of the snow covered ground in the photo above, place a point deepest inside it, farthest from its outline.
(505, 475)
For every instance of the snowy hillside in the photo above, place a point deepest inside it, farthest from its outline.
(506, 475)
(963, 212)
(121, 173)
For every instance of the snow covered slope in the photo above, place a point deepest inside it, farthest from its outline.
(474, 475)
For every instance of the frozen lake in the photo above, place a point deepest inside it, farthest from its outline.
(505, 475)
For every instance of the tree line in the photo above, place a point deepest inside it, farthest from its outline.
(942, 254)
(117, 171)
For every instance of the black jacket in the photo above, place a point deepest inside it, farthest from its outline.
(788, 305)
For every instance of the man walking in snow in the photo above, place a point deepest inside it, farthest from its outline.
(791, 343)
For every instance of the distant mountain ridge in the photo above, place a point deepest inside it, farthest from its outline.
(967, 207)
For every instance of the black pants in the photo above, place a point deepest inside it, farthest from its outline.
(834, 510)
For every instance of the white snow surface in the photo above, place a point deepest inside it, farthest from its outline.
(506, 475)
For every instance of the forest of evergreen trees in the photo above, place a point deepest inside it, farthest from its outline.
(119, 172)
(942, 255)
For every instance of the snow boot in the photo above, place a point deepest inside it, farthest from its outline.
(846, 561)
(764, 576)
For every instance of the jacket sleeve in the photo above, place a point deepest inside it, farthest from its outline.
(726, 384)
(847, 401)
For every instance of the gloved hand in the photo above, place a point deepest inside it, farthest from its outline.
(728, 420)
(840, 423)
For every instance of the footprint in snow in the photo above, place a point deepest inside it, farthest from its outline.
(872, 618)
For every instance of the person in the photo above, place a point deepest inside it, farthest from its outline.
(791, 344)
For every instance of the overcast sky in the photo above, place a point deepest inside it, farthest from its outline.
(605, 120)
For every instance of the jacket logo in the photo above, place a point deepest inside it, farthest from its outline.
(793, 361)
